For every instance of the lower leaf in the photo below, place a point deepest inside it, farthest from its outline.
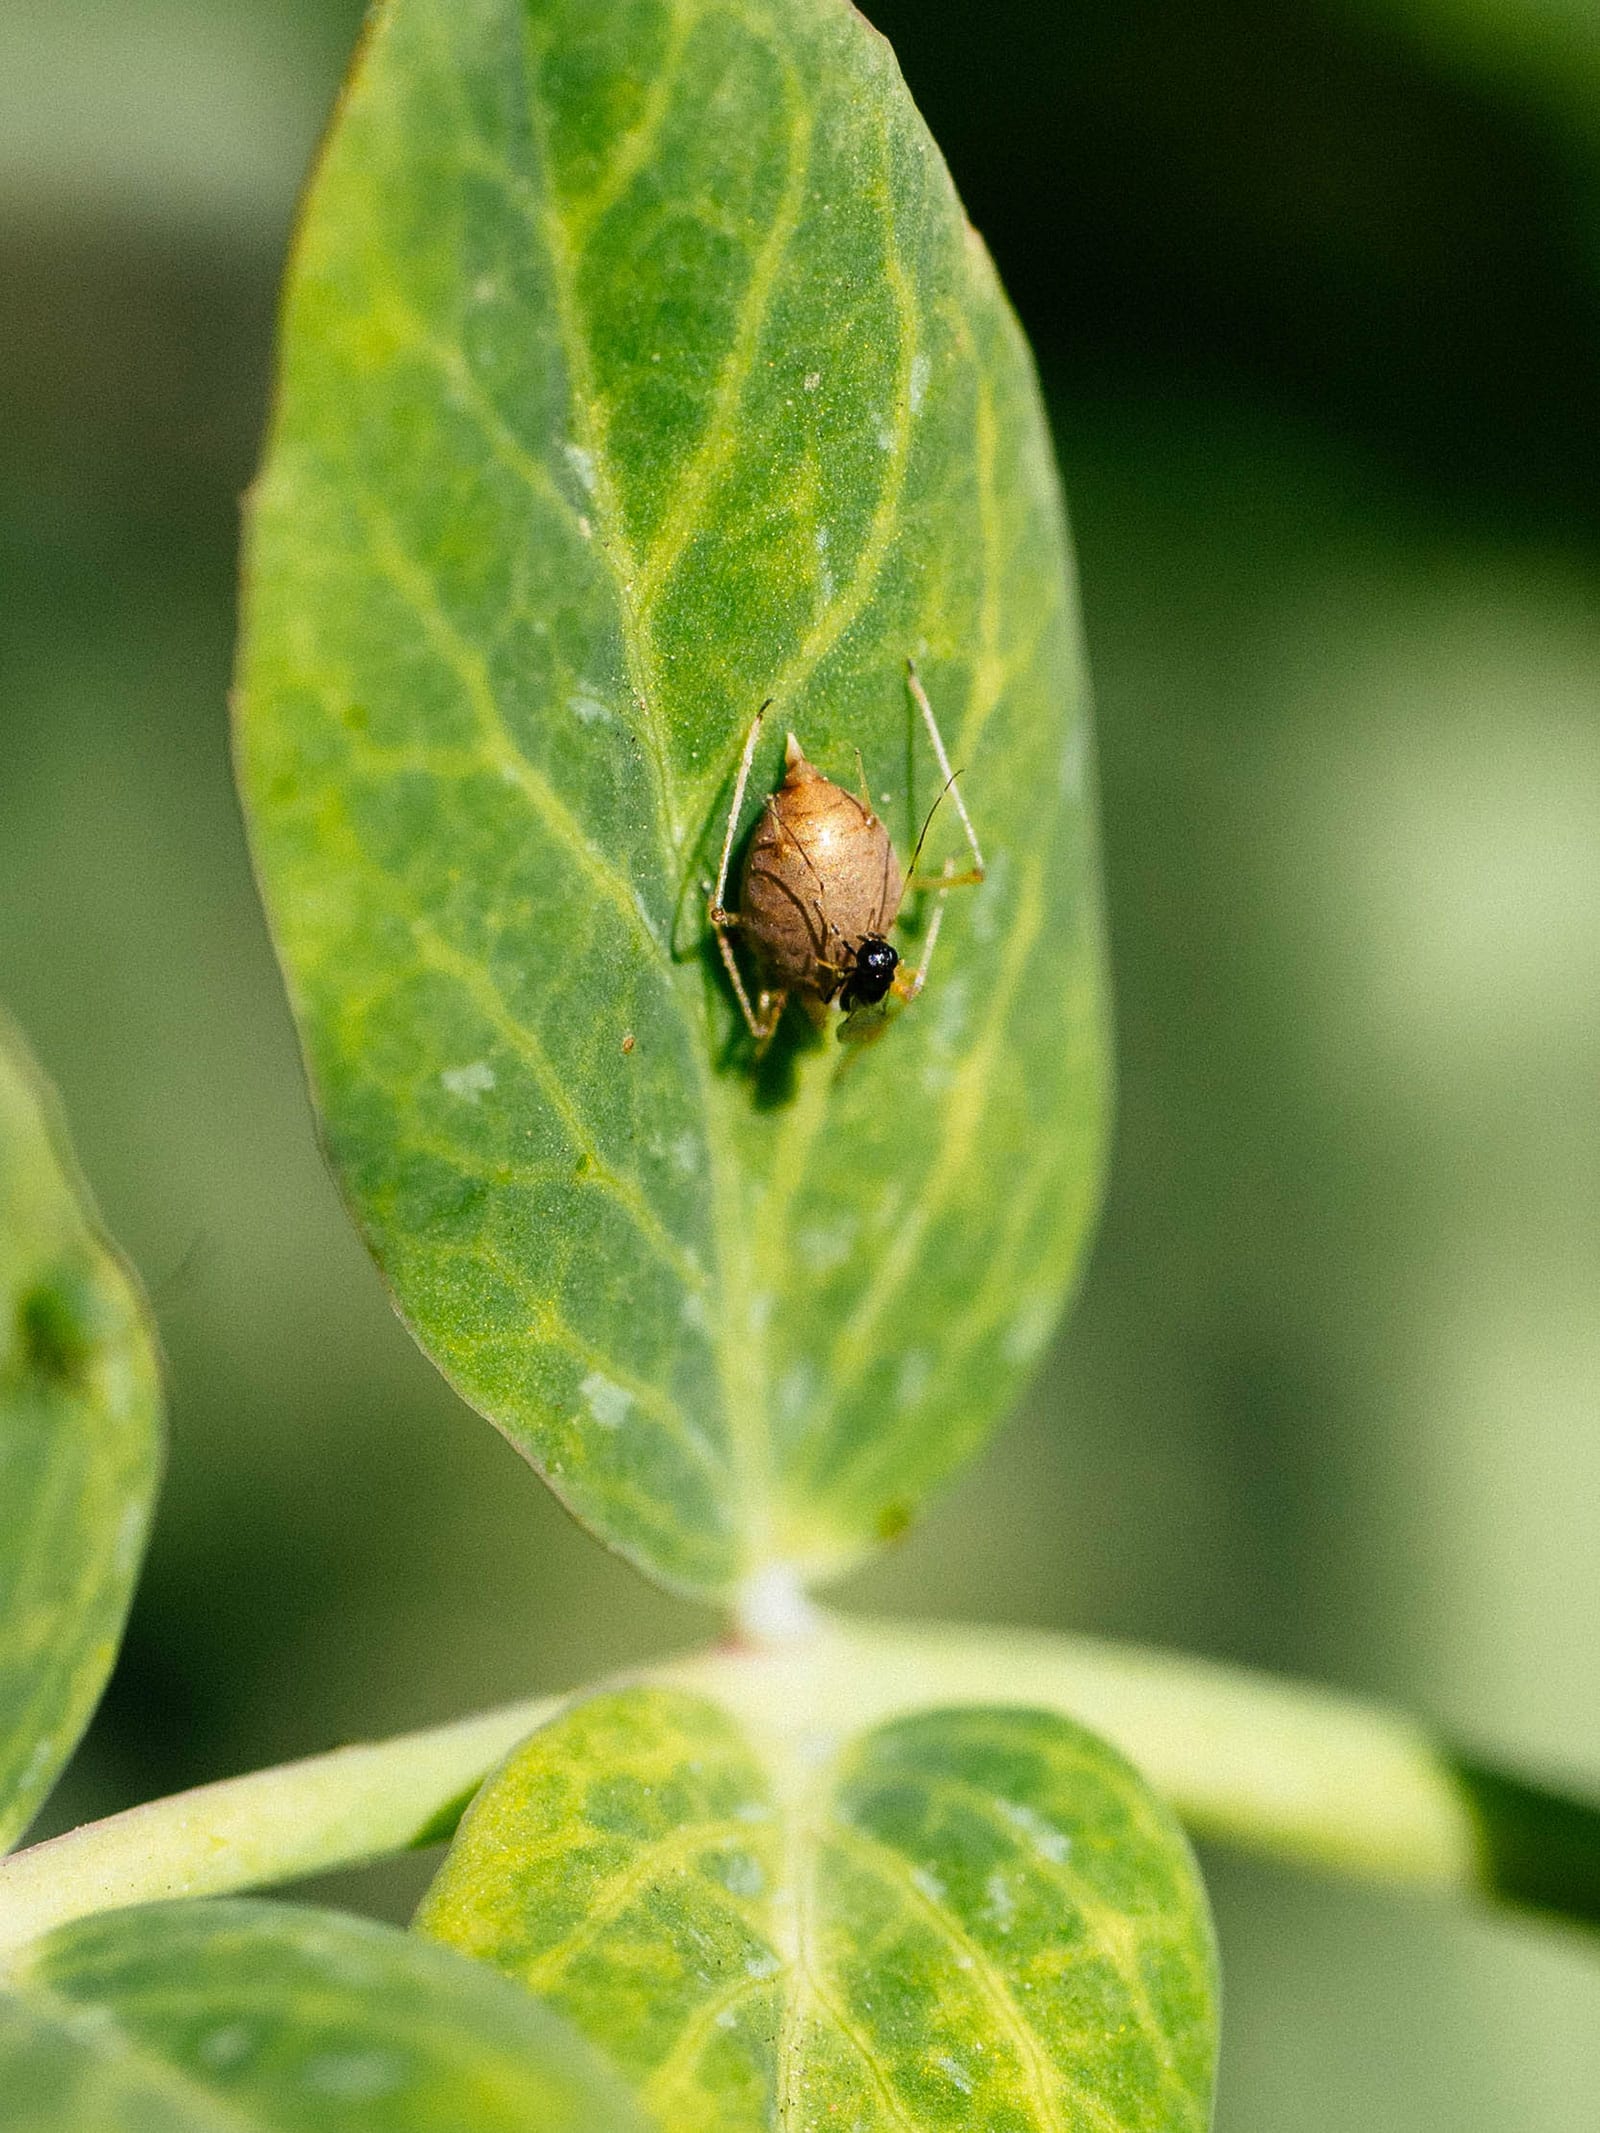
(977, 1917)
(248, 2017)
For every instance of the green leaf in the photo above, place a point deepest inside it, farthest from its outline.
(638, 364)
(245, 2017)
(974, 1918)
(80, 1444)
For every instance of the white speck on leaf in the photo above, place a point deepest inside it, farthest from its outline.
(469, 1082)
(694, 1313)
(924, 1879)
(956, 2071)
(588, 709)
(226, 2046)
(1029, 1330)
(765, 1964)
(742, 1875)
(582, 464)
(607, 1402)
(355, 2074)
(38, 1762)
(920, 367)
(1002, 1904)
(795, 1390)
(584, 527)
(885, 437)
(824, 574)
(825, 1245)
(1048, 1841)
(686, 1153)
(916, 1371)
(813, 380)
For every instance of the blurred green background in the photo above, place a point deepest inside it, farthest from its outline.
(1315, 287)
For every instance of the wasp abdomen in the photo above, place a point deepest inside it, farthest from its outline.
(820, 878)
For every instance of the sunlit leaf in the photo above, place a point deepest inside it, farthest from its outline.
(80, 1422)
(247, 2017)
(638, 365)
(974, 1918)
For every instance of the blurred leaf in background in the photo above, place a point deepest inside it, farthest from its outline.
(80, 1444)
(1319, 306)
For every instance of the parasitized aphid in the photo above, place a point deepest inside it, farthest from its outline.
(821, 890)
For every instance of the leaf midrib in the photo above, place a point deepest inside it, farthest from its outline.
(742, 1383)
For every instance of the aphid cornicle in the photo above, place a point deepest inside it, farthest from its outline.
(821, 889)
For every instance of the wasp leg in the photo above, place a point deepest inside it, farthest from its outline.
(760, 1030)
(769, 1013)
(907, 988)
(716, 911)
(968, 878)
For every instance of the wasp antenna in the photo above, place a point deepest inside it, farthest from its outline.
(932, 811)
(914, 683)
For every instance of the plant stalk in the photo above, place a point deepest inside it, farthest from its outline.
(1297, 1773)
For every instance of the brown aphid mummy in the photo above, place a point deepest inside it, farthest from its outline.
(821, 888)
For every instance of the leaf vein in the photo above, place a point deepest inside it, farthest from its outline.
(634, 148)
(852, 1348)
(1044, 2081)
(666, 1856)
(448, 962)
(417, 584)
(1110, 1928)
(718, 439)
(589, 417)
(849, 601)
(551, 1326)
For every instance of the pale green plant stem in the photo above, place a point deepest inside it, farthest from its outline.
(343, 1809)
(1294, 1772)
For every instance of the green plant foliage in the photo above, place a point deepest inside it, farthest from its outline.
(80, 1444)
(638, 364)
(246, 2017)
(975, 1917)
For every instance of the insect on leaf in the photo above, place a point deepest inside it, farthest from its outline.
(80, 1444)
(639, 365)
(243, 2017)
(973, 1918)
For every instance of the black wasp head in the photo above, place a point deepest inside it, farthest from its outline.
(872, 974)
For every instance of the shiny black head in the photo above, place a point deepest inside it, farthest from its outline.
(871, 975)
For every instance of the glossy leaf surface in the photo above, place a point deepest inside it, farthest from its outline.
(80, 1422)
(973, 1917)
(638, 365)
(265, 2018)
